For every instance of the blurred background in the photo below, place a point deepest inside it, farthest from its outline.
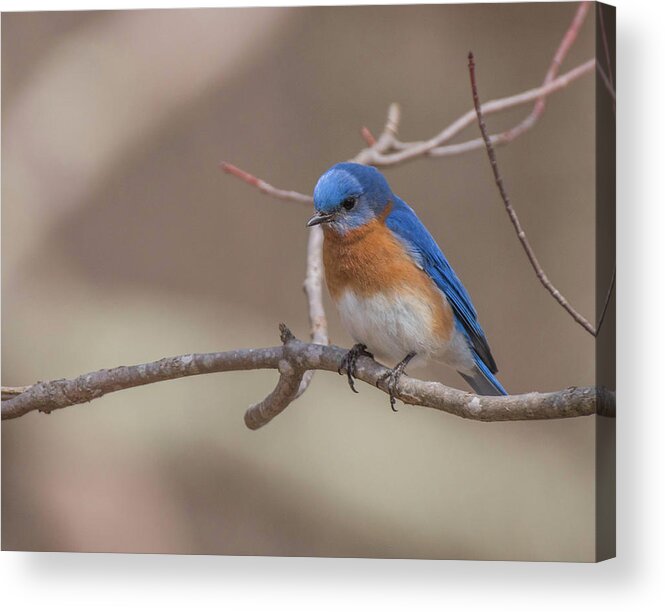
(122, 242)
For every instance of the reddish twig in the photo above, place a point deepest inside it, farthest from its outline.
(535, 264)
(562, 50)
(266, 188)
(368, 137)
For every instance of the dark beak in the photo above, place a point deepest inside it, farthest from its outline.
(319, 217)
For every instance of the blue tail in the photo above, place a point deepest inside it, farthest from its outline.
(482, 381)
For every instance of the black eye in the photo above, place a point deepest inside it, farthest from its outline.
(349, 203)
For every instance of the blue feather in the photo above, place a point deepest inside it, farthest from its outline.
(484, 382)
(406, 225)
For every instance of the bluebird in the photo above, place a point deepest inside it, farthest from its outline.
(395, 291)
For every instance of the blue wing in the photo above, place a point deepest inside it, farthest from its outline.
(404, 223)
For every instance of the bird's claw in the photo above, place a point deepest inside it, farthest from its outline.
(391, 377)
(348, 364)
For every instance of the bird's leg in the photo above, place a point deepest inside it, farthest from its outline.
(393, 376)
(349, 362)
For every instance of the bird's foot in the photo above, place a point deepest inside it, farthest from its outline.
(392, 378)
(348, 364)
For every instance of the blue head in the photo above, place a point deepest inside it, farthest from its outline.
(349, 195)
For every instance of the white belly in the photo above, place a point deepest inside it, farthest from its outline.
(394, 325)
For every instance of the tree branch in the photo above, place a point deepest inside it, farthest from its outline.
(434, 148)
(540, 273)
(289, 387)
(531, 255)
(261, 185)
(388, 150)
(406, 151)
(313, 287)
(292, 359)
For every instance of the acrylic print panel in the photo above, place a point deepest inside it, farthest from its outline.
(124, 242)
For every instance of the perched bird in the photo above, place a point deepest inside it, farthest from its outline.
(395, 291)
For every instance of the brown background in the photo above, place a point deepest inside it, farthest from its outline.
(122, 242)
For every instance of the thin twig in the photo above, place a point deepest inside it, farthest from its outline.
(406, 151)
(368, 137)
(261, 185)
(566, 43)
(607, 83)
(606, 46)
(494, 106)
(313, 287)
(294, 357)
(550, 84)
(386, 141)
(540, 273)
(606, 304)
(433, 147)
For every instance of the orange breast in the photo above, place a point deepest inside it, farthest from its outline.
(370, 260)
